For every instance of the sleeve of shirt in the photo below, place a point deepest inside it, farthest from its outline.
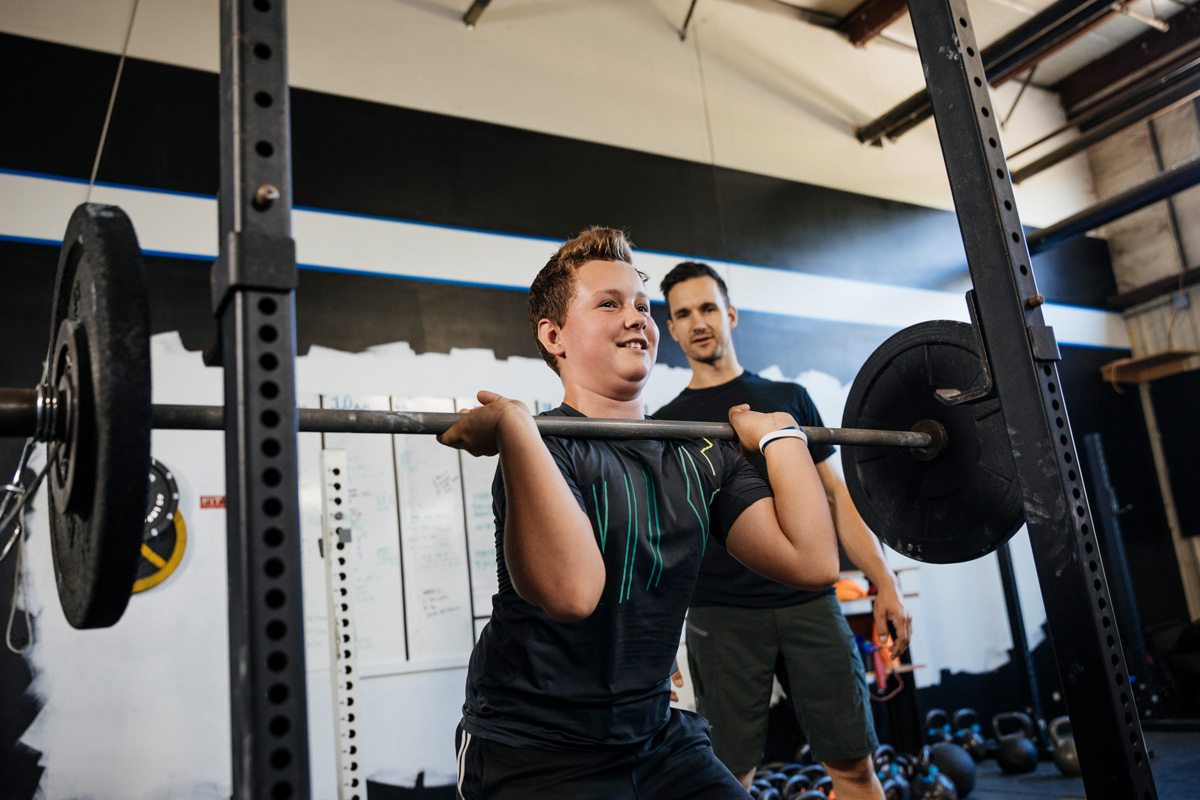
(742, 487)
(806, 415)
(566, 465)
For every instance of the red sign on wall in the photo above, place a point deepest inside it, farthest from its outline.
(212, 501)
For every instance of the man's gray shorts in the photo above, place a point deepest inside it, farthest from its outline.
(732, 654)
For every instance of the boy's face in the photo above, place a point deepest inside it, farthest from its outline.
(608, 341)
(700, 320)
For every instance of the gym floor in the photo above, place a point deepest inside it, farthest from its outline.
(1176, 774)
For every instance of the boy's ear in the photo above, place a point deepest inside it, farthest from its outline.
(550, 335)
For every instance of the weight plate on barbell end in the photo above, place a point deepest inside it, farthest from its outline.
(956, 507)
(99, 359)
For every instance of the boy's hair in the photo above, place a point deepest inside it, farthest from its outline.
(553, 289)
(685, 272)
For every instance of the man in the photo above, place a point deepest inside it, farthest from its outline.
(740, 623)
(598, 544)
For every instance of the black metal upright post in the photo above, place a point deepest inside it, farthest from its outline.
(1021, 657)
(1023, 355)
(253, 297)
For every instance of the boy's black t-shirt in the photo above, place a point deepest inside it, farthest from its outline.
(723, 580)
(655, 507)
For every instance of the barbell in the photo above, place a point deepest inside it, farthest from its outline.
(43, 413)
(931, 474)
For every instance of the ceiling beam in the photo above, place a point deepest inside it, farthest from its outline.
(1166, 183)
(1040, 36)
(1173, 89)
(1156, 288)
(868, 20)
(1131, 61)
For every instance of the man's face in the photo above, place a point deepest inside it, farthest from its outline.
(700, 320)
(608, 340)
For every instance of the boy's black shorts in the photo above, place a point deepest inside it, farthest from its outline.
(677, 762)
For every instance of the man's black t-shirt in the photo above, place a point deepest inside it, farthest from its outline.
(655, 507)
(723, 580)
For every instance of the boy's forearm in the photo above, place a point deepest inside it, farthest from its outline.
(801, 505)
(549, 548)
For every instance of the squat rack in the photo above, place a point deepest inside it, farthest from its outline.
(1023, 354)
(254, 282)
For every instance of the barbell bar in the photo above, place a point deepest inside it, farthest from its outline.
(36, 413)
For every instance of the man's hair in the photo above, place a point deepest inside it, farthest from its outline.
(553, 289)
(685, 272)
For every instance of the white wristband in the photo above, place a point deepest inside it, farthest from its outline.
(792, 432)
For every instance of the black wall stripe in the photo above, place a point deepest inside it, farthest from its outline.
(368, 158)
(352, 312)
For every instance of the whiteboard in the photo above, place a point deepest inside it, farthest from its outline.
(477, 477)
(433, 540)
(374, 549)
(423, 544)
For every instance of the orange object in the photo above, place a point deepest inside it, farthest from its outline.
(848, 589)
(888, 661)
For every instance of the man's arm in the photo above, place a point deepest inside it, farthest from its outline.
(864, 550)
(549, 547)
(788, 538)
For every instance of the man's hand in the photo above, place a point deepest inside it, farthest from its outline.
(890, 614)
(677, 679)
(479, 430)
(751, 426)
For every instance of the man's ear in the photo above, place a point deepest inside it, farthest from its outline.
(733, 318)
(550, 335)
(671, 326)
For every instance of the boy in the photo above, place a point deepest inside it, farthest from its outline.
(598, 547)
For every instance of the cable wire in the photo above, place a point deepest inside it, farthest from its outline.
(112, 101)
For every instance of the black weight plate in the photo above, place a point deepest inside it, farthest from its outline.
(964, 503)
(100, 361)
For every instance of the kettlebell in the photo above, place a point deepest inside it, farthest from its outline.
(937, 726)
(776, 779)
(895, 785)
(1065, 756)
(814, 772)
(796, 786)
(955, 763)
(1015, 752)
(933, 785)
(968, 733)
(908, 765)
